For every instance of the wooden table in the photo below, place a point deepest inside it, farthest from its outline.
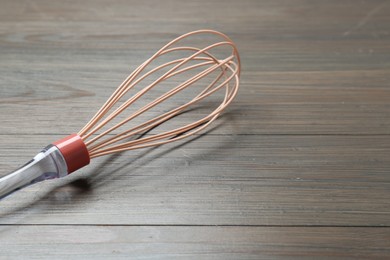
(298, 167)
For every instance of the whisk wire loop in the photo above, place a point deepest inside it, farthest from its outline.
(202, 59)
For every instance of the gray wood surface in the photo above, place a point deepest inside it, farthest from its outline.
(298, 167)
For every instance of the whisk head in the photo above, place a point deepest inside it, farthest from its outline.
(191, 77)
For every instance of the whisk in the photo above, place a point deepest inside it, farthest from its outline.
(207, 70)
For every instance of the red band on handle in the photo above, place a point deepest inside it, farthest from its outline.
(75, 152)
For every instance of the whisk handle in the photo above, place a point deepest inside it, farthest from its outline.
(55, 161)
(48, 164)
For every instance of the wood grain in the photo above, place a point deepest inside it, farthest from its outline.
(102, 242)
(298, 167)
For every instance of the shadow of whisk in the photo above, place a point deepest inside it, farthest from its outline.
(105, 171)
(81, 188)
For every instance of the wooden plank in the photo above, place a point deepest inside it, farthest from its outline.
(218, 180)
(349, 102)
(102, 242)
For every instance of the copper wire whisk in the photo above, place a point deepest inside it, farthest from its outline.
(211, 69)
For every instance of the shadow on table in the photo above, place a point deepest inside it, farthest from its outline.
(81, 189)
